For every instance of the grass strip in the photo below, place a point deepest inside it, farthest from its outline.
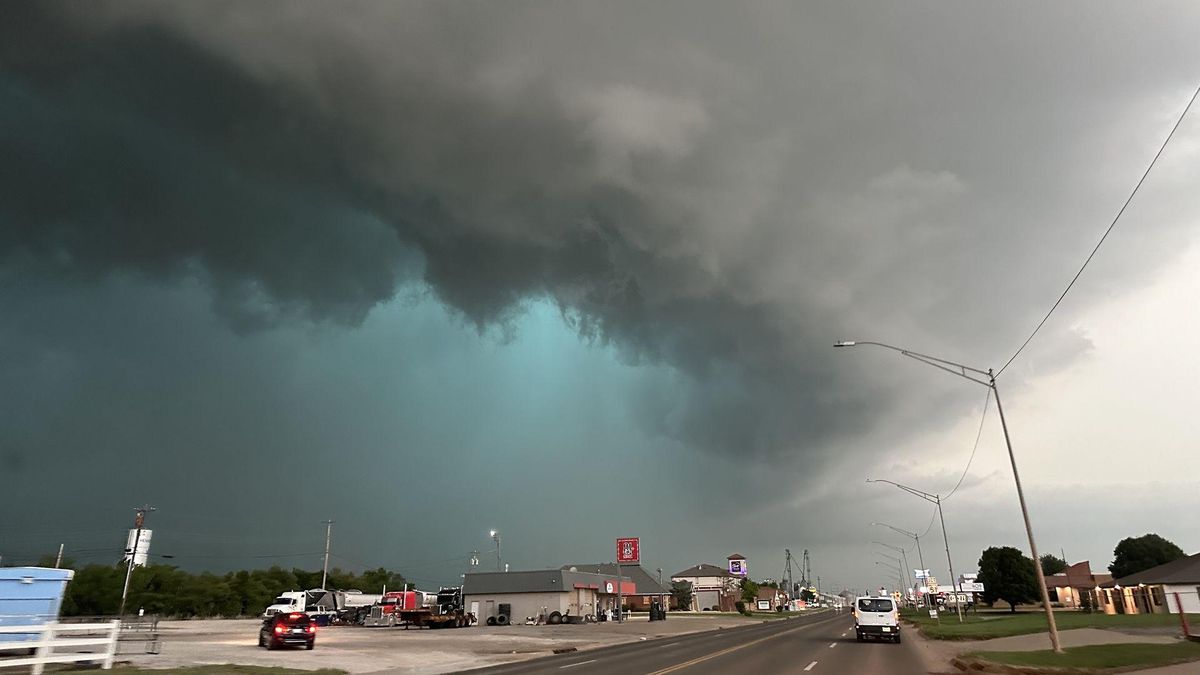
(1099, 656)
(988, 625)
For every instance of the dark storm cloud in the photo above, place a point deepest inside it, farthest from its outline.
(727, 207)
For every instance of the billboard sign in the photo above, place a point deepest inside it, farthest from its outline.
(971, 587)
(737, 567)
(921, 574)
(629, 550)
(143, 547)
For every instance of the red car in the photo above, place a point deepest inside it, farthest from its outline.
(283, 629)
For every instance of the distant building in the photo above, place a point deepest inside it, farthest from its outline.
(713, 587)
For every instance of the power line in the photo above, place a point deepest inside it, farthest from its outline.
(987, 399)
(1106, 232)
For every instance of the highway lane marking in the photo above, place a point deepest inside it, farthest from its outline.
(685, 664)
(832, 645)
(669, 644)
(810, 666)
(581, 663)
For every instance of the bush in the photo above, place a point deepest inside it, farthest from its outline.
(741, 607)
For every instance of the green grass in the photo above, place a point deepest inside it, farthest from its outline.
(229, 669)
(988, 625)
(1099, 656)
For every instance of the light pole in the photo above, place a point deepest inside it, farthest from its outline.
(904, 555)
(933, 499)
(325, 565)
(961, 371)
(495, 534)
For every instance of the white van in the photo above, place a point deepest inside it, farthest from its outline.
(876, 618)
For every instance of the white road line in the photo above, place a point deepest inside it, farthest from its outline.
(581, 663)
(810, 666)
(669, 644)
(832, 645)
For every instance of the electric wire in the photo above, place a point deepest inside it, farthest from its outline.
(986, 400)
(1105, 236)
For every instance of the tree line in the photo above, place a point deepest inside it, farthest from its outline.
(165, 590)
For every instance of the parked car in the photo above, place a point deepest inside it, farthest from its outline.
(288, 628)
(876, 618)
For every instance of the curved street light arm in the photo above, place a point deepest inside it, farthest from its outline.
(929, 497)
(896, 529)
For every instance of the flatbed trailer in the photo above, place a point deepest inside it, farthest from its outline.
(426, 617)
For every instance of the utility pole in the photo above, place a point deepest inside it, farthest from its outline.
(328, 538)
(139, 522)
(58, 560)
(495, 534)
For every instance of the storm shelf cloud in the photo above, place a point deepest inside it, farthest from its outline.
(702, 197)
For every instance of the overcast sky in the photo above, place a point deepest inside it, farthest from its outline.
(573, 271)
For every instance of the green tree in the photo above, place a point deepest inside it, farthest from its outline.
(1008, 575)
(1136, 554)
(1052, 564)
(749, 591)
(681, 593)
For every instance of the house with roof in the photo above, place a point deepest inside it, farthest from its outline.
(646, 589)
(1161, 589)
(1068, 587)
(713, 587)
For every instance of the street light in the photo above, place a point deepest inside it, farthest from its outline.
(904, 555)
(495, 535)
(916, 538)
(933, 499)
(880, 562)
(962, 371)
(899, 569)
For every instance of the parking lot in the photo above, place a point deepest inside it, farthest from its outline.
(395, 650)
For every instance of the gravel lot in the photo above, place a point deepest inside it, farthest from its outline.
(396, 650)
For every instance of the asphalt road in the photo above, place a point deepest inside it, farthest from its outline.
(822, 643)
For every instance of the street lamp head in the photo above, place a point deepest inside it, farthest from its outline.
(844, 343)
(492, 533)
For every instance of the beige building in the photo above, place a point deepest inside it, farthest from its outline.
(1068, 587)
(712, 587)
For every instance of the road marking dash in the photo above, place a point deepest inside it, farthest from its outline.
(810, 666)
(832, 645)
(581, 663)
(669, 644)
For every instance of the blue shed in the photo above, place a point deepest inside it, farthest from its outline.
(30, 596)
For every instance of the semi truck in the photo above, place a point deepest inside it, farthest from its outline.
(325, 606)
(416, 608)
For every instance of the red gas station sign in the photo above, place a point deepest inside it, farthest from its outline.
(629, 550)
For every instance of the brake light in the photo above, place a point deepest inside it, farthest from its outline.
(295, 615)
(311, 629)
(279, 628)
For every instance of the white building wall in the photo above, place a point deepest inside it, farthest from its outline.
(576, 602)
(1190, 595)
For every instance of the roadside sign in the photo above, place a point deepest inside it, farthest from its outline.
(933, 614)
(921, 574)
(972, 587)
(629, 550)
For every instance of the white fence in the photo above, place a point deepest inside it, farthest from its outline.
(50, 640)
